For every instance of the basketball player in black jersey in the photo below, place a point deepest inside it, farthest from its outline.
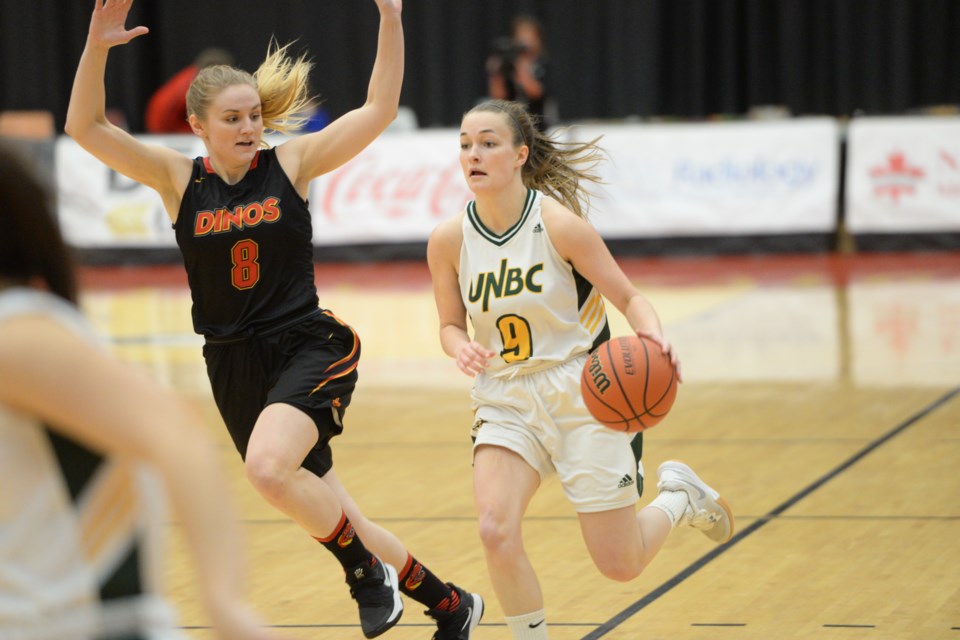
(282, 369)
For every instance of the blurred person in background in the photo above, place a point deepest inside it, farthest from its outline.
(87, 447)
(517, 70)
(167, 108)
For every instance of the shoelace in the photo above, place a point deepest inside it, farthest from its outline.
(370, 592)
(702, 519)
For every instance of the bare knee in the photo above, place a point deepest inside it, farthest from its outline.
(268, 477)
(498, 535)
(620, 569)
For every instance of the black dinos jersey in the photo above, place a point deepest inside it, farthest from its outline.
(247, 248)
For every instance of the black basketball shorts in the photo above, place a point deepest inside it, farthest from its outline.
(311, 365)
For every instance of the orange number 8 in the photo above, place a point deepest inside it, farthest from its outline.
(246, 269)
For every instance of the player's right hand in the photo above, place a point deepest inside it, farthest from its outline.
(108, 23)
(472, 358)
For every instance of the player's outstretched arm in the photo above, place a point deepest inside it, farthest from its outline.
(157, 167)
(312, 155)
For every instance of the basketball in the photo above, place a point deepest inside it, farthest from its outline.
(628, 384)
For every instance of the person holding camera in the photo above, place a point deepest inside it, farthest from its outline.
(517, 69)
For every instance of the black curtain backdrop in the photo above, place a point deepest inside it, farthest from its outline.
(610, 59)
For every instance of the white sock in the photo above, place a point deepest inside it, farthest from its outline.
(672, 503)
(528, 626)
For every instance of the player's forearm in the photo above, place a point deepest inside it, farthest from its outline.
(88, 96)
(452, 339)
(386, 79)
(641, 316)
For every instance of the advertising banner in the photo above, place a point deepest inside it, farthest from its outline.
(659, 180)
(396, 190)
(903, 175)
(717, 179)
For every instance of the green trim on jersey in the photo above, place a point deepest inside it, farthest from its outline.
(636, 446)
(490, 236)
(584, 289)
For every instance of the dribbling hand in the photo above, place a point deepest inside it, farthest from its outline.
(666, 349)
(108, 23)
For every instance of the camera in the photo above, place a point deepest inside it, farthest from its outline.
(507, 50)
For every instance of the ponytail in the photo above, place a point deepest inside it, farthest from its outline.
(559, 169)
(281, 82)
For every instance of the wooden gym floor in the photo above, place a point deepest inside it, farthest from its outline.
(822, 398)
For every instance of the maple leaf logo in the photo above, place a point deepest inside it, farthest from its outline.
(896, 178)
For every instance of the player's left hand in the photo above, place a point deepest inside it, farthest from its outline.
(666, 349)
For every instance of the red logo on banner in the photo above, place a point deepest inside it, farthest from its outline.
(896, 178)
(948, 184)
(368, 185)
(949, 160)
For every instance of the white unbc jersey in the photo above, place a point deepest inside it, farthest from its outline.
(77, 552)
(524, 300)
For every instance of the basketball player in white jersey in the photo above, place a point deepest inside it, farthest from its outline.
(528, 270)
(86, 447)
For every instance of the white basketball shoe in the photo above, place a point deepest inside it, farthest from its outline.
(707, 512)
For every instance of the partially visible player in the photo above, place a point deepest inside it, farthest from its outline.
(87, 446)
(282, 369)
(529, 272)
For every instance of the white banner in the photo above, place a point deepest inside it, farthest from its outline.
(903, 175)
(769, 177)
(396, 190)
(101, 208)
(661, 180)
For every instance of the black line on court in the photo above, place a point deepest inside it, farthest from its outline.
(850, 626)
(430, 625)
(286, 521)
(707, 558)
(869, 517)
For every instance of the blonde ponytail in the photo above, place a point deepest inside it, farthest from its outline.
(281, 82)
(284, 87)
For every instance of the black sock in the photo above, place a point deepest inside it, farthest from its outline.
(419, 583)
(345, 545)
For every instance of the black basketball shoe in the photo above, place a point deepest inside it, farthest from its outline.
(458, 624)
(374, 586)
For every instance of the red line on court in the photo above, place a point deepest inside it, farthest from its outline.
(837, 269)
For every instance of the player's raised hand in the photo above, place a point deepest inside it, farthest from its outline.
(108, 23)
(390, 6)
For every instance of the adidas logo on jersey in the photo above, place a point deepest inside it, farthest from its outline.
(625, 481)
(538, 228)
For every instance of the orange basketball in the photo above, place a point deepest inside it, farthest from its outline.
(628, 384)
